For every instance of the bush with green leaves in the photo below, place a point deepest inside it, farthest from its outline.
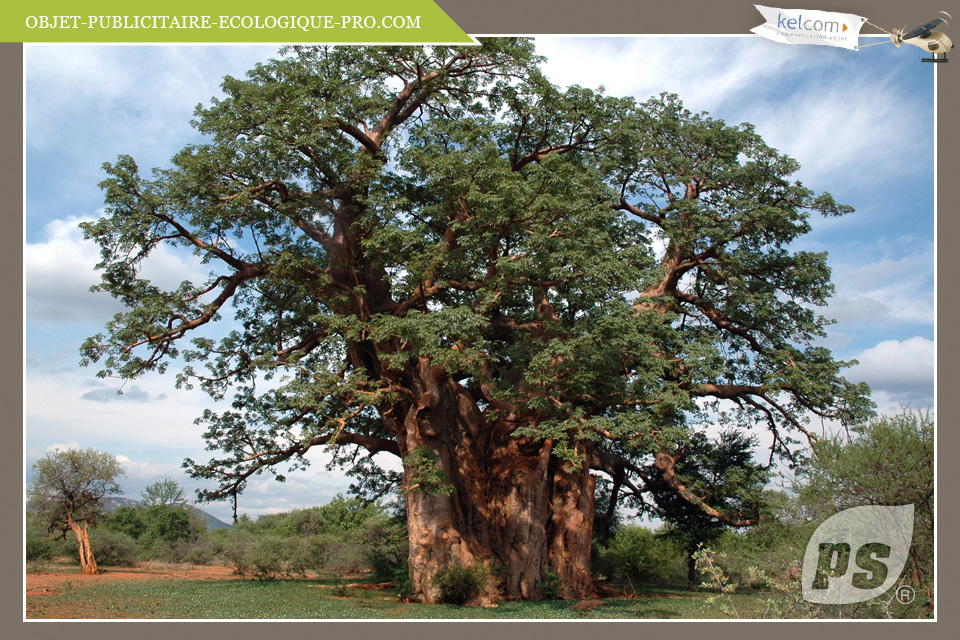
(638, 556)
(385, 548)
(345, 536)
(550, 585)
(886, 461)
(110, 548)
(770, 550)
(39, 544)
(266, 557)
(38, 548)
(234, 547)
(161, 532)
(344, 556)
(341, 515)
(113, 549)
(460, 583)
(200, 551)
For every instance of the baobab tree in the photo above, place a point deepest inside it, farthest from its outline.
(434, 253)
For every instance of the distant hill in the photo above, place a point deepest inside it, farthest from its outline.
(212, 522)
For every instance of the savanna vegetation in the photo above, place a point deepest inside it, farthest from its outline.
(354, 550)
(435, 254)
(556, 308)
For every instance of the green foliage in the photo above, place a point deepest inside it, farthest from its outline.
(773, 548)
(636, 556)
(708, 563)
(344, 536)
(481, 222)
(161, 532)
(163, 493)
(199, 551)
(38, 544)
(459, 583)
(385, 548)
(550, 585)
(38, 548)
(340, 515)
(110, 548)
(235, 548)
(425, 472)
(168, 525)
(266, 556)
(128, 520)
(887, 461)
(344, 556)
(722, 474)
(113, 549)
(71, 485)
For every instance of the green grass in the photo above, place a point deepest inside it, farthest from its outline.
(308, 599)
(304, 599)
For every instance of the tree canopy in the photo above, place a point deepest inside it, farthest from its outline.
(435, 253)
(163, 493)
(68, 492)
(886, 461)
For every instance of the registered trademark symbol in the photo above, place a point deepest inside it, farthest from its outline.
(906, 595)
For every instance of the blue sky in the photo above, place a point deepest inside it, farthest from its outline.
(860, 123)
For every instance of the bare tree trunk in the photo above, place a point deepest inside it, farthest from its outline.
(498, 501)
(88, 564)
(572, 530)
(438, 467)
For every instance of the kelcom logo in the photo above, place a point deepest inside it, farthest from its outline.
(857, 554)
(799, 24)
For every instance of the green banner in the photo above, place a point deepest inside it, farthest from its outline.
(373, 22)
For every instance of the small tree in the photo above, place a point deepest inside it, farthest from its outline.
(164, 493)
(887, 461)
(68, 491)
(721, 473)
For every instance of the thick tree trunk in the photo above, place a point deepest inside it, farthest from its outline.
(572, 531)
(502, 502)
(88, 563)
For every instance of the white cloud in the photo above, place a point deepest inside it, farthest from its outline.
(122, 94)
(59, 271)
(904, 370)
(73, 446)
(846, 129)
(54, 410)
(144, 473)
(120, 394)
(704, 72)
(796, 98)
(888, 290)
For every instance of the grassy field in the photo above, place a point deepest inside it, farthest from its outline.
(165, 596)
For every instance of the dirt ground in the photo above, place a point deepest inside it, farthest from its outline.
(54, 578)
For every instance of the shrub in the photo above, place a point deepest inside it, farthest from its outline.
(639, 556)
(386, 550)
(201, 551)
(38, 548)
(235, 549)
(459, 583)
(303, 554)
(344, 556)
(113, 549)
(266, 557)
(550, 585)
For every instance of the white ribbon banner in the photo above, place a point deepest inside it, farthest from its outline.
(800, 26)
